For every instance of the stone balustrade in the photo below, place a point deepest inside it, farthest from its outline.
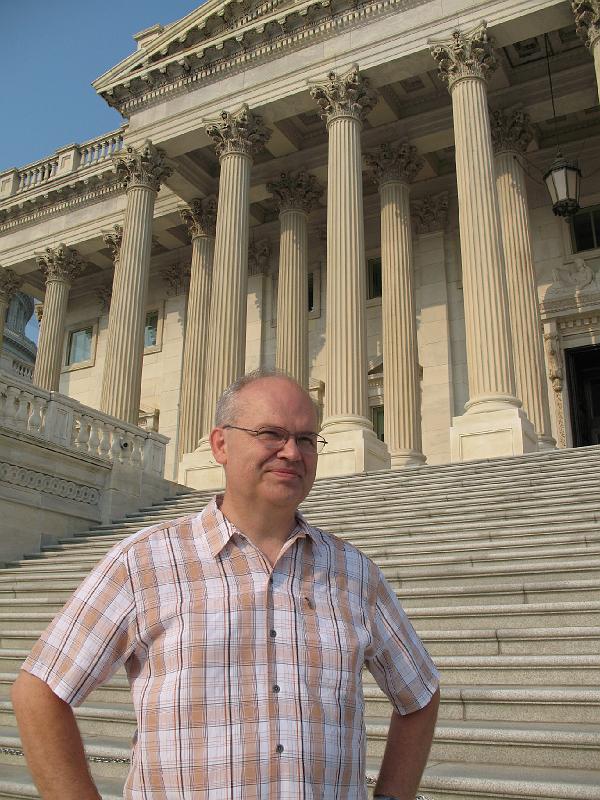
(70, 160)
(52, 417)
(22, 369)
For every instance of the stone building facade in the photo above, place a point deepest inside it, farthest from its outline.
(350, 191)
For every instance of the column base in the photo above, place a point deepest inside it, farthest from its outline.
(546, 443)
(199, 470)
(351, 451)
(492, 434)
(407, 458)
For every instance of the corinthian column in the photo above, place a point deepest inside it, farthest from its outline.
(10, 283)
(60, 268)
(393, 167)
(200, 219)
(511, 135)
(465, 62)
(142, 172)
(237, 138)
(345, 100)
(295, 195)
(587, 23)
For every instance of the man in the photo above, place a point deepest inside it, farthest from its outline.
(243, 631)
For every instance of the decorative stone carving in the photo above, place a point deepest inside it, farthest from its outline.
(49, 484)
(61, 264)
(240, 132)
(104, 295)
(587, 20)
(344, 95)
(259, 254)
(511, 131)
(554, 361)
(39, 311)
(10, 283)
(176, 276)
(145, 167)
(465, 55)
(577, 276)
(114, 240)
(296, 191)
(398, 161)
(430, 213)
(200, 217)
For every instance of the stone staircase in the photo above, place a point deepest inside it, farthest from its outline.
(498, 565)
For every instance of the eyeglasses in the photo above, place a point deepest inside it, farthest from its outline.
(275, 438)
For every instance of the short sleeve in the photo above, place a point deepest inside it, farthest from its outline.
(397, 658)
(92, 636)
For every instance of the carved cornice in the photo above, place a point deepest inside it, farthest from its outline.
(10, 283)
(146, 167)
(61, 264)
(348, 95)
(296, 191)
(200, 217)
(49, 484)
(465, 55)
(176, 276)
(114, 240)
(587, 20)
(511, 131)
(241, 132)
(234, 49)
(398, 161)
(430, 213)
(259, 254)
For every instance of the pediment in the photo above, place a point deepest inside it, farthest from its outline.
(189, 35)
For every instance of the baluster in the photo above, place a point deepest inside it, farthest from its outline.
(81, 436)
(38, 405)
(22, 414)
(10, 408)
(88, 421)
(115, 445)
(94, 440)
(104, 445)
(126, 443)
(137, 450)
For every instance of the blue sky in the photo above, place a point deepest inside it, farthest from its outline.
(51, 52)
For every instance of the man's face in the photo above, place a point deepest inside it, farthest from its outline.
(283, 477)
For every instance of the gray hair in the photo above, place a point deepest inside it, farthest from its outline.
(226, 410)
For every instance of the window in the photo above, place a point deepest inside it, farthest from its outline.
(79, 347)
(311, 292)
(377, 417)
(585, 229)
(374, 285)
(151, 329)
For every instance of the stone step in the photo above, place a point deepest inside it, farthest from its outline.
(17, 784)
(566, 746)
(536, 670)
(99, 720)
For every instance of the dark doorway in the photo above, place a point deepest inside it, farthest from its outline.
(583, 375)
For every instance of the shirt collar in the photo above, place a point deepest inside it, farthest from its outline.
(219, 530)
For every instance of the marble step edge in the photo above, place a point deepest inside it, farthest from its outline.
(16, 783)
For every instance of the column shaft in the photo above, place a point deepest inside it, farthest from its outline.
(194, 350)
(346, 329)
(227, 330)
(402, 419)
(292, 316)
(525, 318)
(46, 373)
(122, 377)
(490, 364)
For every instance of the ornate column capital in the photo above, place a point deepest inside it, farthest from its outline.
(465, 55)
(61, 264)
(241, 132)
(10, 283)
(296, 191)
(104, 296)
(145, 167)
(177, 278)
(511, 131)
(259, 254)
(114, 240)
(348, 95)
(200, 217)
(430, 213)
(587, 20)
(397, 161)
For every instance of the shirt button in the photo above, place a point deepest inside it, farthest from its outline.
(276, 688)
(279, 748)
(272, 633)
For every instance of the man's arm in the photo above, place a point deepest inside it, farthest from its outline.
(408, 743)
(51, 742)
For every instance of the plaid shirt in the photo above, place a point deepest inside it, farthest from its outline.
(246, 679)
